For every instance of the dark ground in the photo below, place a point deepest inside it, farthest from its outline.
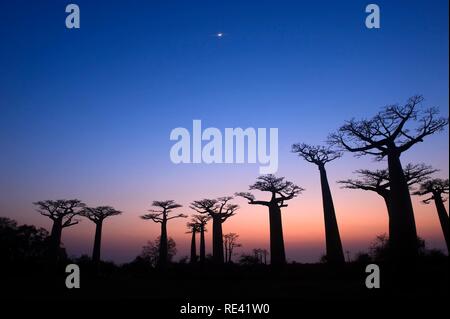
(289, 290)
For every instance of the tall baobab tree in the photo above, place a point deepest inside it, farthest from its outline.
(230, 242)
(194, 228)
(98, 215)
(391, 132)
(219, 210)
(280, 191)
(62, 213)
(162, 216)
(320, 155)
(378, 181)
(437, 189)
(202, 220)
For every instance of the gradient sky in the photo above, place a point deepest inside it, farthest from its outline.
(87, 113)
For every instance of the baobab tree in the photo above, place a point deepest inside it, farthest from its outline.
(378, 181)
(280, 191)
(219, 210)
(162, 216)
(202, 220)
(194, 228)
(437, 189)
(98, 215)
(230, 242)
(391, 132)
(62, 212)
(320, 155)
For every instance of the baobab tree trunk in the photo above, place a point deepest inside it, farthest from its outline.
(278, 256)
(387, 200)
(335, 253)
(55, 238)
(218, 256)
(97, 242)
(162, 260)
(443, 218)
(193, 248)
(202, 245)
(402, 227)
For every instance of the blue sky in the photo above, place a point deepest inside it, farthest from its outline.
(87, 113)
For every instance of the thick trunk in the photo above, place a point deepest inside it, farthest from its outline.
(97, 242)
(443, 218)
(163, 254)
(202, 245)
(278, 256)
(335, 253)
(55, 238)
(402, 227)
(218, 256)
(193, 248)
(388, 202)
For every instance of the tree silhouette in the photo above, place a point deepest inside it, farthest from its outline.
(150, 252)
(98, 215)
(320, 156)
(62, 213)
(202, 220)
(394, 130)
(378, 181)
(21, 243)
(194, 228)
(281, 191)
(230, 243)
(219, 210)
(437, 188)
(162, 216)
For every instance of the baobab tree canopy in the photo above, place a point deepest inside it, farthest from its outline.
(281, 190)
(219, 207)
(200, 219)
(319, 155)
(61, 209)
(376, 180)
(193, 227)
(98, 214)
(159, 215)
(434, 187)
(394, 128)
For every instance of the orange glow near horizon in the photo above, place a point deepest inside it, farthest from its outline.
(359, 223)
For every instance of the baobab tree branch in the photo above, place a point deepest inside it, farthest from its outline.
(178, 216)
(436, 187)
(318, 155)
(361, 137)
(379, 180)
(429, 126)
(69, 222)
(153, 217)
(251, 198)
(356, 184)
